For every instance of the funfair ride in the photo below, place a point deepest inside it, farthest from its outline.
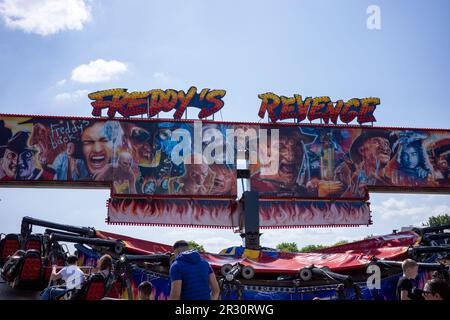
(182, 172)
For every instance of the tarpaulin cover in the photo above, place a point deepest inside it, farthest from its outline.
(136, 246)
(340, 258)
(376, 245)
(161, 286)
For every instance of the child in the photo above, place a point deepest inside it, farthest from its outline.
(406, 284)
(72, 276)
(145, 290)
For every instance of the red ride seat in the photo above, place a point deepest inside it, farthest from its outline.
(8, 245)
(93, 289)
(33, 242)
(30, 270)
(47, 265)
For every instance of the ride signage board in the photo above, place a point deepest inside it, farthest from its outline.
(154, 101)
(148, 158)
(281, 108)
(305, 174)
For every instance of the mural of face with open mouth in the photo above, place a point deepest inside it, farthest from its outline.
(9, 163)
(97, 147)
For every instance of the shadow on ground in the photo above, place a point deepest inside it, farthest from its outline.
(7, 293)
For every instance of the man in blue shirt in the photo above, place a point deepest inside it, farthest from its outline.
(191, 277)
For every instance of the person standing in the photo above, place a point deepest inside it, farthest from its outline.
(191, 277)
(406, 285)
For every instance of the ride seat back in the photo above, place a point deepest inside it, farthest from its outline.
(96, 291)
(8, 245)
(93, 289)
(47, 266)
(33, 242)
(31, 267)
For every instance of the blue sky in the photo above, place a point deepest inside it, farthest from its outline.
(53, 52)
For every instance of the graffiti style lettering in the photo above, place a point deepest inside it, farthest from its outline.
(62, 133)
(302, 106)
(350, 110)
(318, 108)
(270, 103)
(281, 108)
(154, 101)
(368, 106)
(184, 101)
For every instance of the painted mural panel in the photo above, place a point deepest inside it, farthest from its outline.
(134, 157)
(346, 162)
(160, 171)
(193, 159)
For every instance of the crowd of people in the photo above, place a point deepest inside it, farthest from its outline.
(192, 278)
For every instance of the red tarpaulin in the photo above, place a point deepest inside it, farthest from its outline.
(136, 246)
(339, 258)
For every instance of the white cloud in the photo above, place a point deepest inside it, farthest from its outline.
(162, 77)
(409, 213)
(167, 80)
(71, 96)
(442, 209)
(390, 213)
(98, 71)
(45, 17)
(394, 204)
(61, 82)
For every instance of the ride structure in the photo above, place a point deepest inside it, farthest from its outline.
(182, 172)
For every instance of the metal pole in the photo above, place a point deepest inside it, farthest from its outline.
(251, 212)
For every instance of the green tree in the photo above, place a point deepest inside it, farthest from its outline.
(312, 247)
(287, 247)
(437, 220)
(340, 243)
(195, 246)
